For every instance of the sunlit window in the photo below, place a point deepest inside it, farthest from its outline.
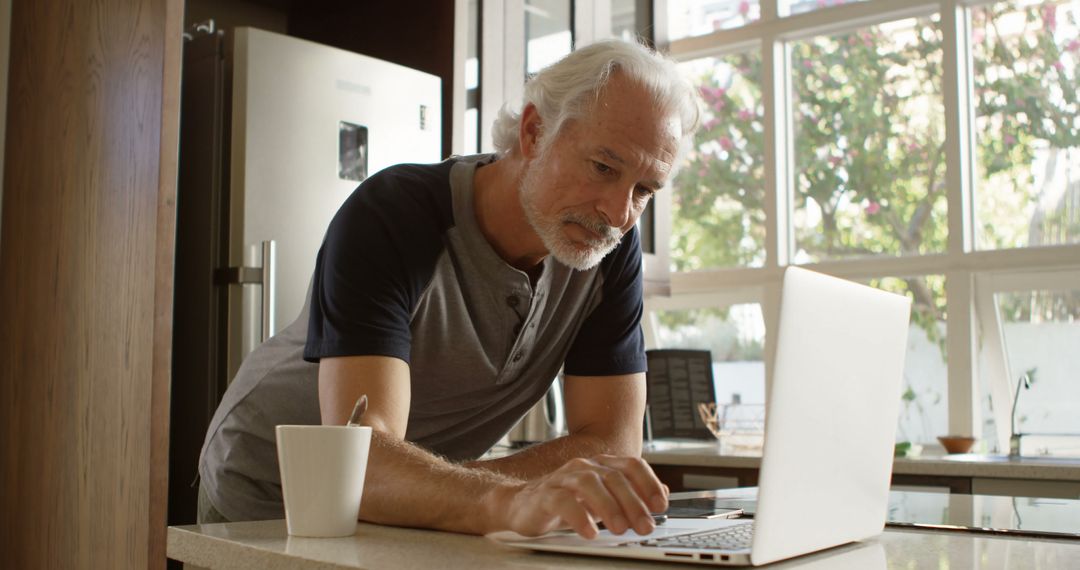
(924, 394)
(1042, 333)
(1026, 62)
(718, 217)
(869, 135)
(792, 7)
(700, 17)
(548, 36)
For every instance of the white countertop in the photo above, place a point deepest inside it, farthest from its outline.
(711, 455)
(265, 545)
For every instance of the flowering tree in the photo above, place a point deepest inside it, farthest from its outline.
(869, 152)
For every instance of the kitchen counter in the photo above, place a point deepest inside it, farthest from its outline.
(265, 545)
(1035, 468)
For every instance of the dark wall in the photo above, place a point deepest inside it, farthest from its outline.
(417, 34)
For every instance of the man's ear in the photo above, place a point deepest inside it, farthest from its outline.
(529, 131)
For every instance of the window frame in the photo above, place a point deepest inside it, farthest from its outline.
(968, 272)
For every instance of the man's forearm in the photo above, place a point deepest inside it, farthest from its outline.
(408, 486)
(543, 458)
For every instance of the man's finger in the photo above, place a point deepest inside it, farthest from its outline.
(592, 490)
(563, 504)
(642, 478)
(630, 502)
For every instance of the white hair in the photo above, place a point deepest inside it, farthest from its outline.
(568, 89)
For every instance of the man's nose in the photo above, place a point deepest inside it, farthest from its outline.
(616, 207)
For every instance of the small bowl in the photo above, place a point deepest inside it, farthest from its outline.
(956, 443)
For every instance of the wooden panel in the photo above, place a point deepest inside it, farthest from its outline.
(85, 282)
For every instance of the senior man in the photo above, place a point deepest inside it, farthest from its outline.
(451, 295)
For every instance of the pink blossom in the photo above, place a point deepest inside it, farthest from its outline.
(711, 93)
(835, 161)
(711, 124)
(744, 7)
(822, 3)
(745, 114)
(912, 146)
(1009, 139)
(872, 208)
(1059, 66)
(719, 105)
(1073, 45)
(1049, 15)
(702, 172)
(807, 63)
(726, 144)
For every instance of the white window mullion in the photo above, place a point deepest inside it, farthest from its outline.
(770, 10)
(963, 351)
(592, 21)
(956, 91)
(776, 92)
(776, 96)
(502, 62)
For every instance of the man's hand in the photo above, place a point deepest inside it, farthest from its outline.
(620, 491)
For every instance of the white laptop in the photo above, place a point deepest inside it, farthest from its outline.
(830, 427)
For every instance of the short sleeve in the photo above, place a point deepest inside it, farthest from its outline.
(610, 340)
(378, 255)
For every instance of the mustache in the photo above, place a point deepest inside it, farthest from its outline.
(607, 233)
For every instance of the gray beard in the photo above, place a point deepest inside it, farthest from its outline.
(560, 247)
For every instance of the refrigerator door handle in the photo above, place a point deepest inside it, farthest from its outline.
(269, 248)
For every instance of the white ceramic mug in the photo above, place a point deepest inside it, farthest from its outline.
(322, 477)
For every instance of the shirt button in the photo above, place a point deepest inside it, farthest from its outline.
(517, 357)
(512, 301)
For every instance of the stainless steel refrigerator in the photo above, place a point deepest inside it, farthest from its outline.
(275, 133)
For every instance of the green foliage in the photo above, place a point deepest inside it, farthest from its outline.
(869, 140)
(719, 207)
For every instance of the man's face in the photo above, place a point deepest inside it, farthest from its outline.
(592, 182)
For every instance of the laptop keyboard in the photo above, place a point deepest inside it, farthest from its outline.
(728, 538)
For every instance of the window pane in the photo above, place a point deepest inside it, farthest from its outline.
(791, 7)
(700, 17)
(472, 81)
(924, 399)
(1027, 58)
(869, 142)
(547, 33)
(624, 19)
(736, 338)
(1042, 333)
(718, 212)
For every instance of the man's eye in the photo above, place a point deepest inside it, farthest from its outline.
(643, 193)
(601, 167)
